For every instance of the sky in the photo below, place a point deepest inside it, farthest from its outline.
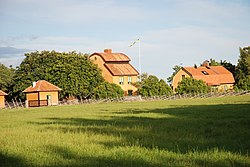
(171, 32)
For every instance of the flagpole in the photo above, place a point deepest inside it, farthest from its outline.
(139, 57)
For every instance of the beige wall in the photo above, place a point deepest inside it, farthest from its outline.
(2, 103)
(32, 96)
(54, 97)
(100, 63)
(125, 87)
(225, 87)
(178, 77)
(43, 96)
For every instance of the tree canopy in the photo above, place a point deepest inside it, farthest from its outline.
(6, 76)
(73, 72)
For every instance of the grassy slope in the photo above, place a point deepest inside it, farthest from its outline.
(187, 132)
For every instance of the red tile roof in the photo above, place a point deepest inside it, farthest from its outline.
(113, 57)
(108, 56)
(212, 75)
(117, 63)
(2, 93)
(121, 69)
(42, 86)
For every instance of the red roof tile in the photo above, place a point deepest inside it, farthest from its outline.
(42, 86)
(212, 75)
(2, 93)
(121, 69)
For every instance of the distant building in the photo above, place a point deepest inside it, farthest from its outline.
(2, 99)
(41, 93)
(116, 69)
(218, 77)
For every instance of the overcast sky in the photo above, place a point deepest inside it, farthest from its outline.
(172, 32)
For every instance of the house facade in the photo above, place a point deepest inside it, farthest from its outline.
(116, 69)
(41, 93)
(2, 99)
(218, 77)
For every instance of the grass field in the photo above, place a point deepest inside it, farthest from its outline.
(186, 132)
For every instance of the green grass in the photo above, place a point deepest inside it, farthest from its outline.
(186, 132)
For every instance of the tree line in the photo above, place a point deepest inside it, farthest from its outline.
(80, 78)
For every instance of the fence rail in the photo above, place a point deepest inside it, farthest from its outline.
(15, 104)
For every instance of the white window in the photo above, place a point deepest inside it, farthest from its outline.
(121, 80)
(129, 79)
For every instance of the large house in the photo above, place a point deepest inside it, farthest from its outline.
(41, 93)
(2, 99)
(218, 77)
(116, 69)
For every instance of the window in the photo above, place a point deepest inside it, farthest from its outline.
(204, 72)
(129, 79)
(121, 80)
(183, 76)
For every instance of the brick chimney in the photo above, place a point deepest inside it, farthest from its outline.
(108, 51)
(205, 63)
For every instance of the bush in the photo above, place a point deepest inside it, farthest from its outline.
(152, 86)
(190, 85)
(108, 90)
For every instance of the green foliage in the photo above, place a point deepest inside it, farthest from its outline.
(211, 132)
(152, 86)
(107, 90)
(176, 69)
(190, 85)
(73, 72)
(213, 62)
(244, 84)
(6, 76)
(243, 69)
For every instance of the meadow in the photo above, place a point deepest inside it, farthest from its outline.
(184, 132)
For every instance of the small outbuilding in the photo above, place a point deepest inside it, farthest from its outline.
(42, 93)
(2, 99)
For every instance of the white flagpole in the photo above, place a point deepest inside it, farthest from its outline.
(139, 57)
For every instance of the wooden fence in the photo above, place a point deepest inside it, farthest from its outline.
(19, 104)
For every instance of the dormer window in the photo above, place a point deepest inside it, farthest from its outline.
(204, 72)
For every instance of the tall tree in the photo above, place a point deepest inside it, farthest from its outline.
(73, 72)
(6, 77)
(243, 65)
(243, 69)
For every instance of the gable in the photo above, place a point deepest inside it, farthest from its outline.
(42, 86)
(2, 93)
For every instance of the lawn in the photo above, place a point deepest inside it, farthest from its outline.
(185, 132)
